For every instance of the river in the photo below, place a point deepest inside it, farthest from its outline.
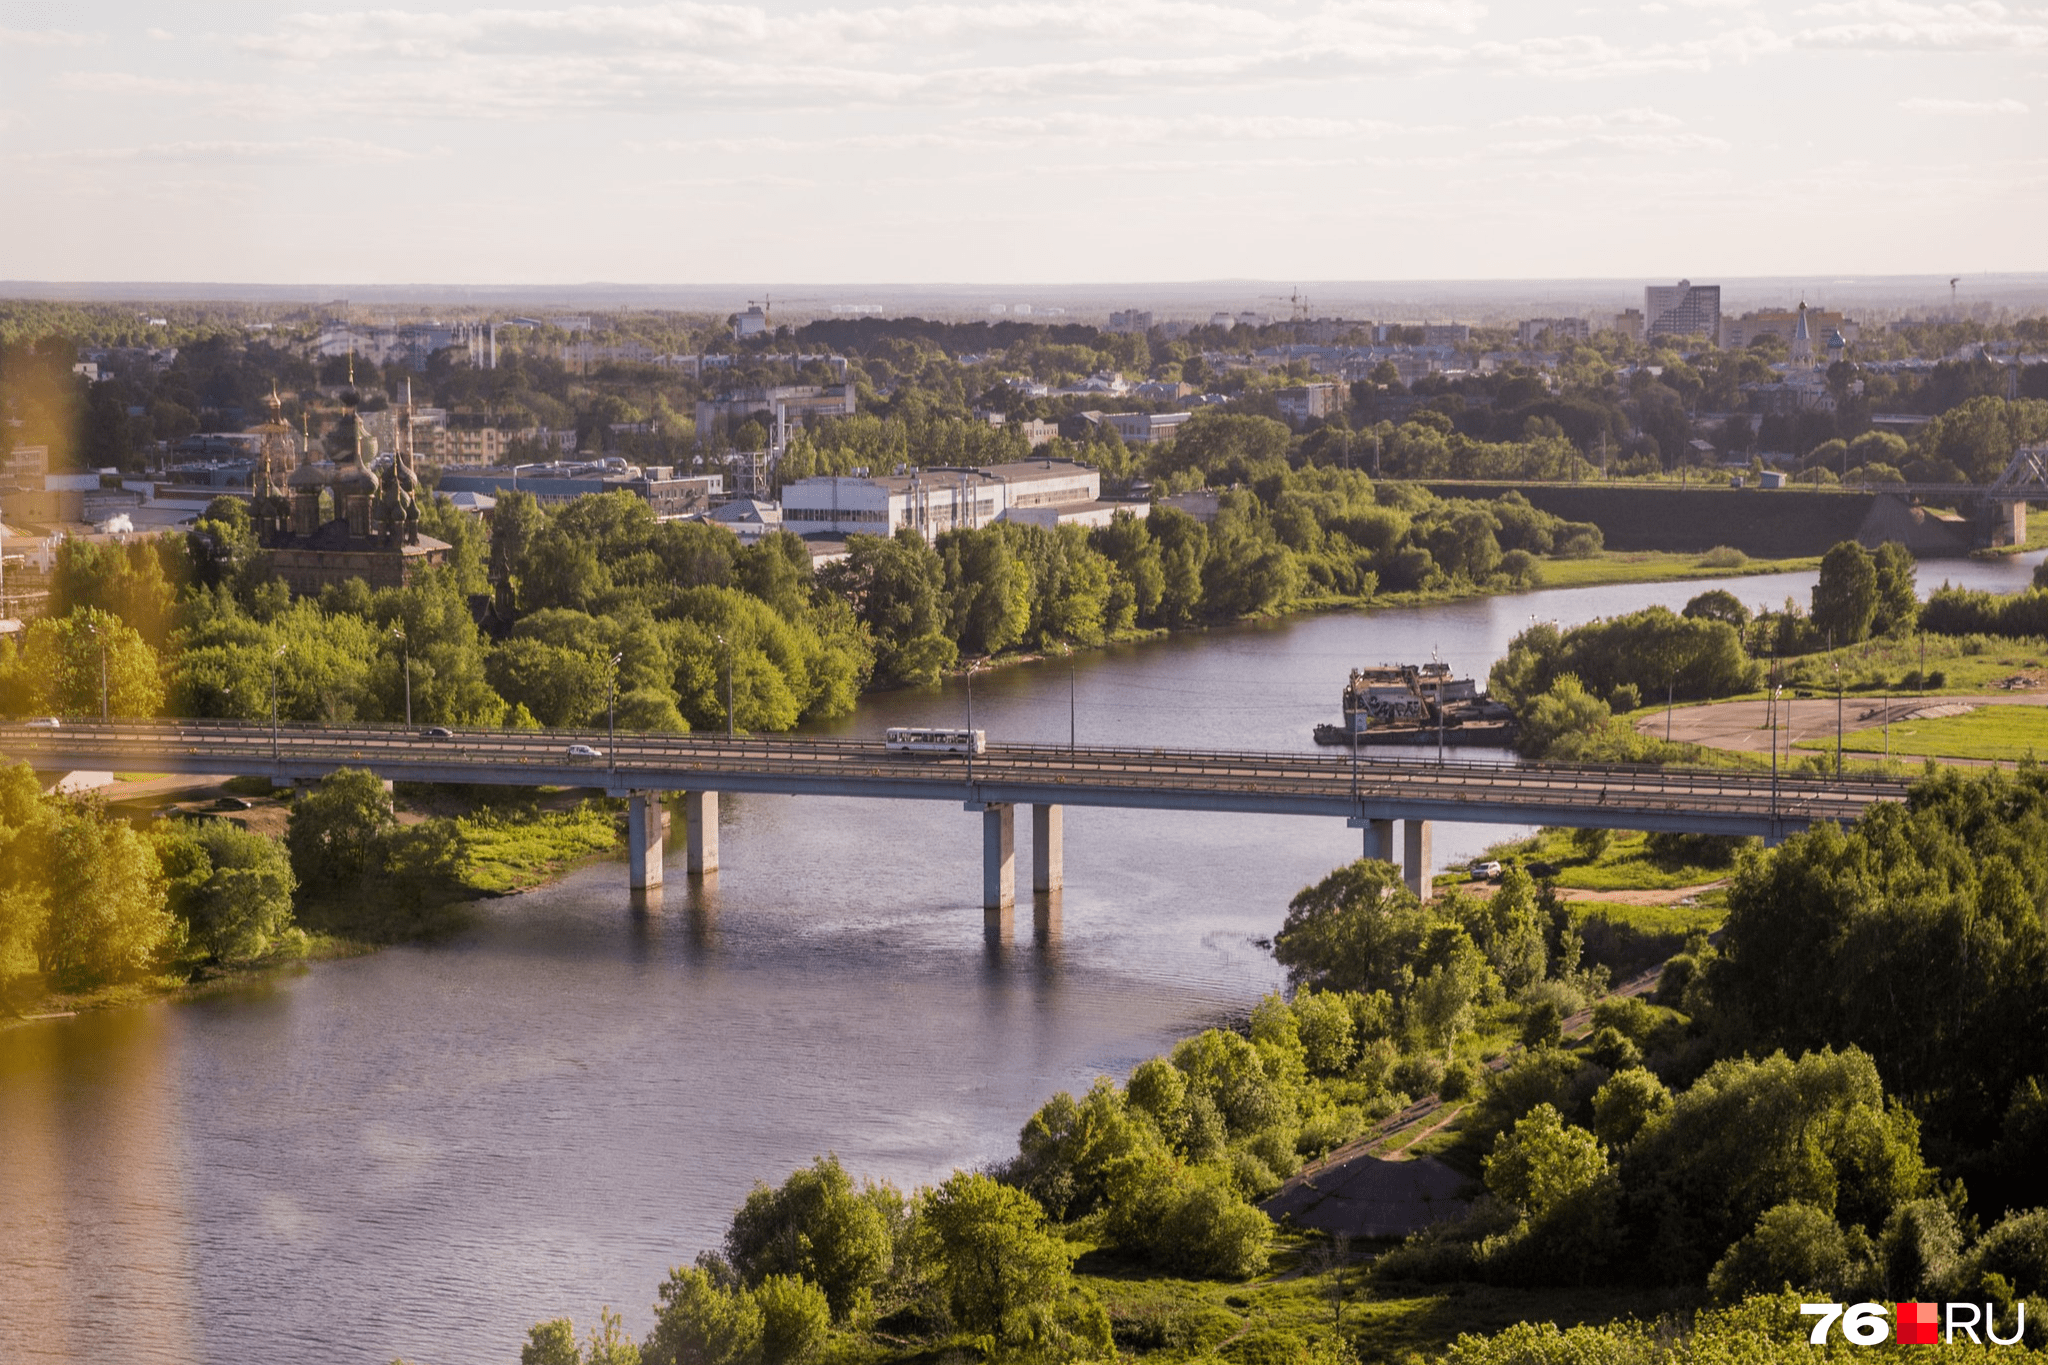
(421, 1152)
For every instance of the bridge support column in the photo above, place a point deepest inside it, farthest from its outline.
(643, 840)
(700, 812)
(998, 856)
(2015, 527)
(1379, 840)
(1415, 859)
(1048, 851)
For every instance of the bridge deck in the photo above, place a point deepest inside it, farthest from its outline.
(1686, 800)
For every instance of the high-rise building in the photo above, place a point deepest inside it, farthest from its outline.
(1683, 309)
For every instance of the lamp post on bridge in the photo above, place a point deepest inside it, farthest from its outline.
(726, 649)
(611, 718)
(405, 650)
(275, 656)
(970, 723)
(101, 639)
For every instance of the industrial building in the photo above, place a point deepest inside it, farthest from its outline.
(943, 498)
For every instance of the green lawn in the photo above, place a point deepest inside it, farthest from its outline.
(513, 854)
(1655, 567)
(1877, 669)
(2008, 733)
(1625, 864)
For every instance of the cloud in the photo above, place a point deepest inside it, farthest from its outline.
(47, 37)
(1982, 25)
(1638, 117)
(323, 149)
(1963, 107)
(1611, 144)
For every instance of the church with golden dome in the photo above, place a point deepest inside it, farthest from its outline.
(323, 517)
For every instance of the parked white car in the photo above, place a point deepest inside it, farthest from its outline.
(584, 751)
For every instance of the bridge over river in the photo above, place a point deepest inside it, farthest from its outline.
(1369, 793)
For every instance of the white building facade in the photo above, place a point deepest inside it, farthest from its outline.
(933, 501)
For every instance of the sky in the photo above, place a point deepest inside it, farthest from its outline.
(1020, 141)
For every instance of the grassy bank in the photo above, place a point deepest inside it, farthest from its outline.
(1995, 733)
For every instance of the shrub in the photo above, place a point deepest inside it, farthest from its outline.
(1417, 1076)
(1723, 557)
(1629, 1102)
(1190, 1223)
(1793, 1245)
(820, 1227)
(795, 1320)
(2016, 1249)
(1460, 1080)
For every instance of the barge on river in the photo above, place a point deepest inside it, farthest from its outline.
(1418, 704)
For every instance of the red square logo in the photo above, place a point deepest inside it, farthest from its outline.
(1917, 1324)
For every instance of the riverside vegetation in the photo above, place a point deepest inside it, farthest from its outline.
(93, 909)
(1841, 1098)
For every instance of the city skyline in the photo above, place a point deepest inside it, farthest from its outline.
(1445, 139)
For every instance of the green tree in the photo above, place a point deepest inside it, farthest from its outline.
(795, 1320)
(1626, 1104)
(699, 1321)
(819, 1226)
(1452, 979)
(231, 888)
(997, 1263)
(551, 1343)
(1793, 1245)
(1542, 1162)
(1355, 930)
(107, 919)
(1898, 606)
(896, 587)
(336, 832)
(70, 663)
(1845, 600)
(1069, 1149)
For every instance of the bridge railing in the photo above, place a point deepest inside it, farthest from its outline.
(785, 748)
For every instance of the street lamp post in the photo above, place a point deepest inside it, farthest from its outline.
(726, 649)
(1670, 690)
(405, 648)
(611, 718)
(102, 642)
(278, 654)
(1838, 720)
(970, 725)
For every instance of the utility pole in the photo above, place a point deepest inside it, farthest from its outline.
(1073, 726)
(1670, 689)
(1838, 720)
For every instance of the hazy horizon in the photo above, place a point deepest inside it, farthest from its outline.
(1478, 301)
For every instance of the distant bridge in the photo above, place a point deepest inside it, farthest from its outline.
(1369, 795)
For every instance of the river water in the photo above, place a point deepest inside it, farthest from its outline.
(421, 1152)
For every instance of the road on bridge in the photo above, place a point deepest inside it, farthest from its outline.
(1689, 800)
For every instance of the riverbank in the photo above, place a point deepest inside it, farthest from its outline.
(499, 848)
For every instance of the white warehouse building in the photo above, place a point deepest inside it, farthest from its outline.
(946, 497)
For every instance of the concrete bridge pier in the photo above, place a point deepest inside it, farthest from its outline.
(1415, 857)
(1379, 839)
(700, 813)
(644, 817)
(1048, 847)
(998, 856)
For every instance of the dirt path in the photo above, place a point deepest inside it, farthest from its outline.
(1360, 1190)
(1664, 896)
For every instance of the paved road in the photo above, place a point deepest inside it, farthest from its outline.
(1170, 779)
